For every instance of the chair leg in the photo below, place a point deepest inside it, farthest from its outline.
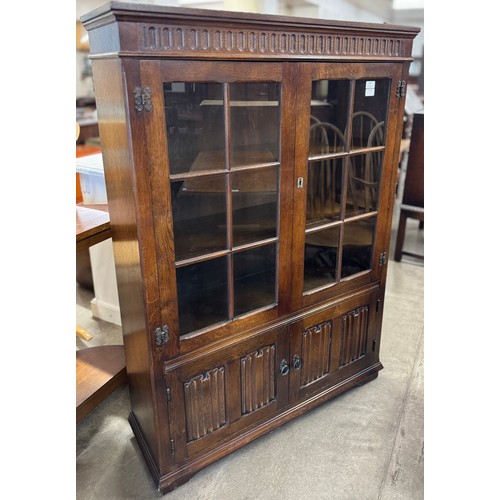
(398, 251)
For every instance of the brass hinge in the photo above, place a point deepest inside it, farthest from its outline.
(162, 335)
(401, 89)
(382, 261)
(142, 99)
(172, 446)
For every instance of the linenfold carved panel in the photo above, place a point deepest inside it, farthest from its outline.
(258, 386)
(354, 335)
(177, 38)
(316, 342)
(205, 402)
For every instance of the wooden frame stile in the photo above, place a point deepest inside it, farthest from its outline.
(135, 259)
(389, 189)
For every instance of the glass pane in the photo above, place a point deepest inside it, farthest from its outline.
(255, 205)
(320, 258)
(329, 101)
(255, 122)
(363, 183)
(254, 278)
(195, 126)
(202, 294)
(324, 190)
(199, 213)
(370, 113)
(357, 247)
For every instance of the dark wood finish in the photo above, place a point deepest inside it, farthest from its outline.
(412, 205)
(202, 395)
(99, 371)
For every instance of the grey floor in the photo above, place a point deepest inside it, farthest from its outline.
(366, 444)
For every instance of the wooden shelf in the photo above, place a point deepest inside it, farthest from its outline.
(99, 371)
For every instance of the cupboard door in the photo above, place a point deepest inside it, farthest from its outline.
(219, 170)
(217, 396)
(332, 345)
(345, 167)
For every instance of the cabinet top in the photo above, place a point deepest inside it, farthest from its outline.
(127, 29)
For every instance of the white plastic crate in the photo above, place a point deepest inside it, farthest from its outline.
(92, 182)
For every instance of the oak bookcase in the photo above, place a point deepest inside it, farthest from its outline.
(250, 165)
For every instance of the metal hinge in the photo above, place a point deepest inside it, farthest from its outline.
(382, 261)
(142, 99)
(401, 89)
(169, 395)
(172, 446)
(377, 306)
(162, 335)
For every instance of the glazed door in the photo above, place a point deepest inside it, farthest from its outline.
(219, 171)
(345, 170)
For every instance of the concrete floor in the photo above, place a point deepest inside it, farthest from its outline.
(366, 444)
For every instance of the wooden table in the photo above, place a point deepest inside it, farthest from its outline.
(101, 369)
(92, 225)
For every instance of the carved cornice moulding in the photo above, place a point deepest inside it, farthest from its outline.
(180, 32)
(176, 39)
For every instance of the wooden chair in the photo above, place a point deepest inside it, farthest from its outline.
(324, 181)
(412, 205)
(365, 169)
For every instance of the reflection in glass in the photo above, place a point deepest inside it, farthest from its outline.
(255, 122)
(254, 278)
(363, 183)
(370, 113)
(357, 247)
(324, 190)
(320, 258)
(202, 293)
(195, 126)
(329, 102)
(255, 205)
(199, 215)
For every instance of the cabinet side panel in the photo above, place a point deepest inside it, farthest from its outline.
(110, 99)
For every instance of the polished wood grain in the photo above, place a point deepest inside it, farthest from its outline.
(131, 262)
(315, 358)
(202, 395)
(205, 403)
(258, 372)
(92, 226)
(354, 335)
(99, 371)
